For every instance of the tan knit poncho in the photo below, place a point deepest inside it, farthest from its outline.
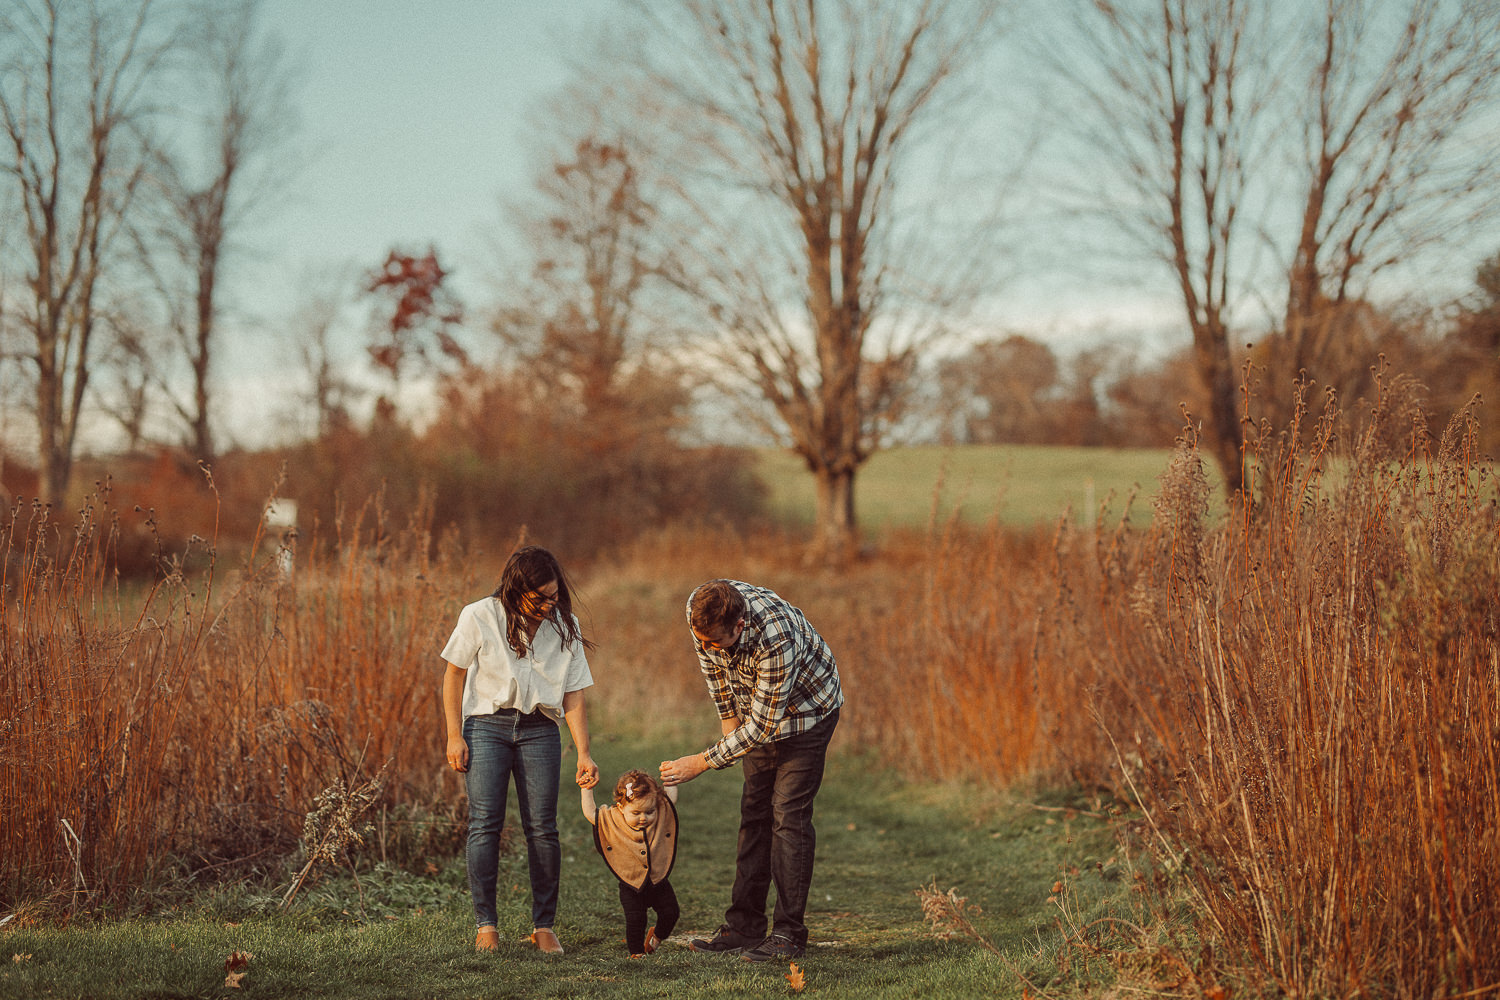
(634, 854)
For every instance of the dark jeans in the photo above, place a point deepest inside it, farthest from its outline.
(528, 747)
(777, 839)
(656, 896)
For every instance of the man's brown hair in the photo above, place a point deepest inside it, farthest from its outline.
(715, 605)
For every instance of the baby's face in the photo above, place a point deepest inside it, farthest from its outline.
(641, 813)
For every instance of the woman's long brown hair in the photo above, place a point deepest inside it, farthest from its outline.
(529, 568)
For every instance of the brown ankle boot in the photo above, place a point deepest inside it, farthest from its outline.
(546, 941)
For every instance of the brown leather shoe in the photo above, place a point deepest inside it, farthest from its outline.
(488, 939)
(652, 941)
(546, 941)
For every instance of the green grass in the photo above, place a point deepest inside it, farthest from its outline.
(878, 841)
(1018, 484)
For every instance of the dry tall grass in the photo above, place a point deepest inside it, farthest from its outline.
(1305, 700)
(1308, 703)
(935, 642)
(196, 723)
(92, 687)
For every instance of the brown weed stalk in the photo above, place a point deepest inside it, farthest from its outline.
(193, 724)
(92, 686)
(1307, 701)
(327, 655)
(944, 666)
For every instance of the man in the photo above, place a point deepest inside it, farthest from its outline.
(776, 687)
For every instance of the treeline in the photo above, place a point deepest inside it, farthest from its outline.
(490, 471)
(572, 444)
(1018, 390)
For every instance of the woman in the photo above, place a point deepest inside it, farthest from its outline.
(517, 667)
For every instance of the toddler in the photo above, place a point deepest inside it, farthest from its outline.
(637, 837)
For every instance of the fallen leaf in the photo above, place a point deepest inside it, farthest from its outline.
(236, 961)
(796, 978)
(21, 958)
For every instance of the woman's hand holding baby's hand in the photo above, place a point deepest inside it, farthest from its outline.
(588, 772)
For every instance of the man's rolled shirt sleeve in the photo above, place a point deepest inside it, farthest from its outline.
(718, 687)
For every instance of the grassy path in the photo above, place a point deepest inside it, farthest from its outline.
(878, 842)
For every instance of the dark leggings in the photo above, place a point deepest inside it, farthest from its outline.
(657, 896)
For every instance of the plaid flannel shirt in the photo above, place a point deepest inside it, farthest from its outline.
(779, 679)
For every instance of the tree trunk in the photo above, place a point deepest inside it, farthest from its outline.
(1225, 434)
(53, 472)
(835, 536)
(202, 435)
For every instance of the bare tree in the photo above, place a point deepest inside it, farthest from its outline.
(126, 377)
(325, 312)
(241, 77)
(74, 110)
(1392, 160)
(1179, 103)
(329, 392)
(592, 324)
(808, 113)
(1196, 108)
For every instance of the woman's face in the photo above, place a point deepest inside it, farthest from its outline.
(539, 603)
(641, 813)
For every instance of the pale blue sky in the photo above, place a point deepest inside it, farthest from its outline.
(414, 122)
(414, 116)
(412, 127)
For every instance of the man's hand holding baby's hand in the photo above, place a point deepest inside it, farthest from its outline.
(675, 772)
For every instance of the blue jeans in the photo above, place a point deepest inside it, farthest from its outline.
(777, 840)
(529, 747)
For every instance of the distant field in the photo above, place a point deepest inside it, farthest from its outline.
(1019, 484)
